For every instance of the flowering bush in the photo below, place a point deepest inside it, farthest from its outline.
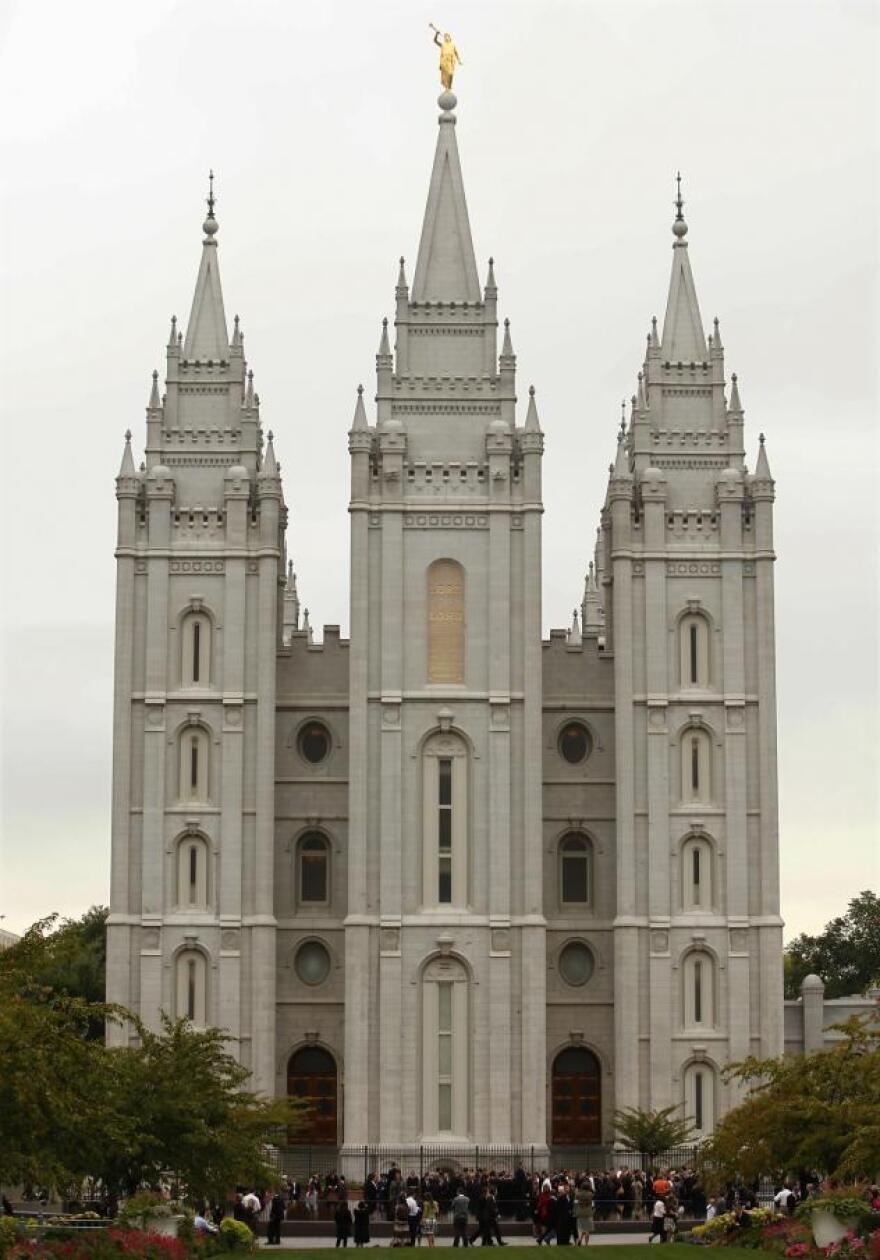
(718, 1230)
(99, 1244)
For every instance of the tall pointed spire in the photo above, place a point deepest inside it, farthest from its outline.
(446, 269)
(384, 345)
(155, 402)
(206, 333)
(683, 336)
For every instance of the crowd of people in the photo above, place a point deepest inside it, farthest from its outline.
(563, 1207)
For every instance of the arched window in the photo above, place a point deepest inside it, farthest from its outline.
(696, 766)
(445, 1096)
(697, 874)
(194, 766)
(445, 821)
(192, 873)
(575, 869)
(445, 622)
(699, 990)
(192, 987)
(195, 650)
(699, 1097)
(313, 869)
(694, 641)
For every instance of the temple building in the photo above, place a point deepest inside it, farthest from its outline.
(460, 885)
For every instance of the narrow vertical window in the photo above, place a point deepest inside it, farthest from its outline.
(196, 660)
(695, 765)
(194, 762)
(698, 1100)
(444, 831)
(694, 655)
(696, 874)
(191, 989)
(444, 1058)
(193, 873)
(698, 992)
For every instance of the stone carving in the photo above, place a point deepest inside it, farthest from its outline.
(659, 942)
(739, 939)
(150, 938)
(229, 939)
(389, 940)
(500, 940)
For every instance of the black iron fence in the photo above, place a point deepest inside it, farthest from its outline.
(302, 1161)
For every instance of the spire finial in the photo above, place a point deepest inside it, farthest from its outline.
(622, 419)
(761, 438)
(210, 225)
(172, 336)
(679, 227)
(155, 401)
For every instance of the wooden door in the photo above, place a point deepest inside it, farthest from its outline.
(576, 1098)
(311, 1075)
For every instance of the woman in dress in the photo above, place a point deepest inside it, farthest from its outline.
(400, 1236)
(429, 1219)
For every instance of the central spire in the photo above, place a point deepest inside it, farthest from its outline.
(683, 336)
(446, 269)
(206, 334)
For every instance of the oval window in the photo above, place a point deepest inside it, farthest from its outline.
(314, 742)
(312, 963)
(575, 744)
(576, 963)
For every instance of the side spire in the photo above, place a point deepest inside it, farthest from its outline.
(683, 336)
(762, 467)
(359, 423)
(206, 333)
(446, 268)
(532, 424)
(126, 468)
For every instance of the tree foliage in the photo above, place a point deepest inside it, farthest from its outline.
(805, 1113)
(175, 1102)
(846, 953)
(652, 1131)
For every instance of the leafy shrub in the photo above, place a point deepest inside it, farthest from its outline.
(235, 1235)
(8, 1233)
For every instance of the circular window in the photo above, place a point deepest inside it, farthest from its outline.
(575, 744)
(314, 742)
(576, 963)
(312, 963)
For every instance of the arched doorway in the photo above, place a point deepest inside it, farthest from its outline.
(311, 1074)
(576, 1098)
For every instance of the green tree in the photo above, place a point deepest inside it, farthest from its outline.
(70, 1107)
(846, 953)
(70, 959)
(652, 1131)
(186, 1112)
(54, 1110)
(812, 1113)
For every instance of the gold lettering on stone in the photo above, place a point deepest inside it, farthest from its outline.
(445, 622)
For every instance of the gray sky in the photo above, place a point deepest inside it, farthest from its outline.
(320, 122)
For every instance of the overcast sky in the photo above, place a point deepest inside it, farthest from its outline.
(319, 119)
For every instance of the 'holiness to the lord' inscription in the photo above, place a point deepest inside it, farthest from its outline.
(445, 622)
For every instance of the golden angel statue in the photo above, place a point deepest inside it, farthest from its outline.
(449, 57)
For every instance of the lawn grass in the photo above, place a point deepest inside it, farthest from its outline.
(623, 1251)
